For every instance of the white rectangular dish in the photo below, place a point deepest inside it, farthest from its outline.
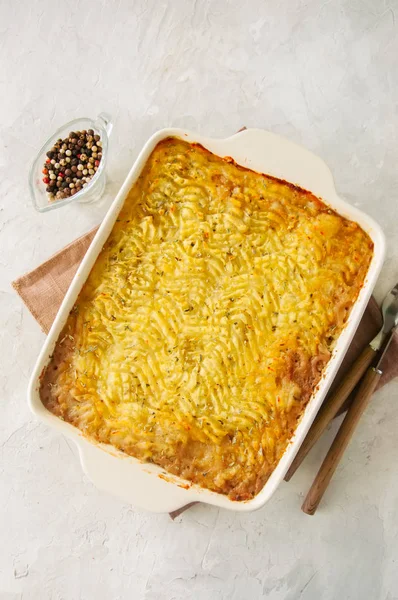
(148, 486)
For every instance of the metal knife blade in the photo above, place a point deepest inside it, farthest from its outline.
(381, 362)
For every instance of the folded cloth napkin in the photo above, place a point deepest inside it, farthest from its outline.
(43, 289)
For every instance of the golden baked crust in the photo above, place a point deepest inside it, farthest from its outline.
(207, 320)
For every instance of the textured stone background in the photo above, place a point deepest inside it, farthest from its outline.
(323, 74)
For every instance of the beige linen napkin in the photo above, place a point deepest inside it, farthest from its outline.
(43, 289)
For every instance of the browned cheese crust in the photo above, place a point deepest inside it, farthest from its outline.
(207, 320)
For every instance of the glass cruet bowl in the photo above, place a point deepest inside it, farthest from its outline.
(102, 126)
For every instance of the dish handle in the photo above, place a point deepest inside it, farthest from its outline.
(104, 121)
(134, 482)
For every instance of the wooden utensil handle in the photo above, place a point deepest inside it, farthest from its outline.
(331, 407)
(341, 441)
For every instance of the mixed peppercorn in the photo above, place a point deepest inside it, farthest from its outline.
(71, 163)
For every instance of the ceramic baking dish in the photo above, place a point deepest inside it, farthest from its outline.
(149, 486)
